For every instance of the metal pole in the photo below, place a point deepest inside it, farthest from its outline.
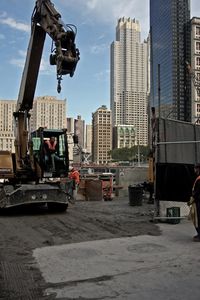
(178, 142)
(138, 152)
(159, 91)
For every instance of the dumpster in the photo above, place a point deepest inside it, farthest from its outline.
(135, 195)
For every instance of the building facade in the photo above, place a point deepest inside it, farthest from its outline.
(124, 136)
(129, 78)
(70, 125)
(7, 107)
(79, 130)
(49, 112)
(70, 131)
(101, 135)
(170, 49)
(88, 138)
(195, 66)
(76, 127)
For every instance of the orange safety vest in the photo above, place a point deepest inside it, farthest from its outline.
(75, 175)
(51, 146)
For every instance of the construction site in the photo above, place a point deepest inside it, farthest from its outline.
(96, 250)
(117, 238)
(121, 231)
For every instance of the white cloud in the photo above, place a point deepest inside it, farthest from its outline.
(19, 62)
(101, 37)
(108, 12)
(14, 24)
(102, 75)
(98, 49)
(45, 67)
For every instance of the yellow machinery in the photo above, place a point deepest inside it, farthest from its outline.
(23, 174)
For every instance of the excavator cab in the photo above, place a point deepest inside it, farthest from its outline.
(53, 163)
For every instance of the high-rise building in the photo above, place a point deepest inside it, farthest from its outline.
(170, 49)
(70, 125)
(129, 78)
(7, 107)
(48, 112)
(101, 135)
(195, 65)
(79, 130)
(70, 134)
(88, 138)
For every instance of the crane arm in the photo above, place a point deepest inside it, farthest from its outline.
(65, 55)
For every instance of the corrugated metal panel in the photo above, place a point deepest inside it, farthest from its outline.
(177, 142)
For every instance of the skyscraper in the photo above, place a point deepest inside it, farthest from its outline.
(129, 78)
(101, 135)
(79, 130)
(70, 125)
(170, 49)
(88, 138)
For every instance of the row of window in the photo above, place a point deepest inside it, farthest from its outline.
(6, 135)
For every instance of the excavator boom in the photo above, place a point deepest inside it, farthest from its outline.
(31, 69)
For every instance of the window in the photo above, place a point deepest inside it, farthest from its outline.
(197, 46)
(198, 107)
(197, 30)
(198, 61)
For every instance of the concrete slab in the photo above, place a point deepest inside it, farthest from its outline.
(142, 267)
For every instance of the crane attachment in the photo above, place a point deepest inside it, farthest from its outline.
(64, 54)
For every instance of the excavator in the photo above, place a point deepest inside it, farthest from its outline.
(26, 177)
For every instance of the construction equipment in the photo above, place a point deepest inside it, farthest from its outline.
(26, 176)
(107, 185)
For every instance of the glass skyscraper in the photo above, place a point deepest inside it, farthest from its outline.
(170, 49)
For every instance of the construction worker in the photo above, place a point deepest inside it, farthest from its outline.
(194, 203)
(75, 176)
(50, 152)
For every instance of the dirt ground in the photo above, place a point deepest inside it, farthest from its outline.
(23, 230)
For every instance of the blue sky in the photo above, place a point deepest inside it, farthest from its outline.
(95, 20)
